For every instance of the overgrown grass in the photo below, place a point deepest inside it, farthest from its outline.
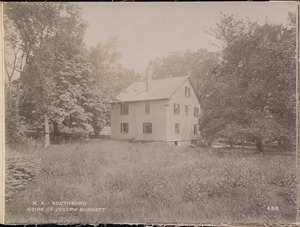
(158, 183)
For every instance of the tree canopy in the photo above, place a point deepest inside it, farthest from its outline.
(247, 90)
(110, 79)
(254, 95)
(50, 71)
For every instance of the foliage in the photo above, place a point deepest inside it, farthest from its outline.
(110, 79)
(198, 65)
(49, 71)
(69, 100)
(30, 29)
(13, 136)
(254, 87)
(247, 90)
(49, 62)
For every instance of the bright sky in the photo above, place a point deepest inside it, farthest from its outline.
(146, 31)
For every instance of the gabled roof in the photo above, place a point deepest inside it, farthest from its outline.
(160, 89)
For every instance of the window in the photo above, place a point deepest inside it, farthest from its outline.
(124, 109)
(196, 112)
(176, 108)
(147, 108)
(195, 129)
(124, 128)
(177, 128)
(187, 92)
(186, 110)
(147, 128)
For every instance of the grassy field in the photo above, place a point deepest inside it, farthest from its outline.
(153, 183)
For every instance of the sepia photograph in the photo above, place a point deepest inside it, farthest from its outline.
(151, 113)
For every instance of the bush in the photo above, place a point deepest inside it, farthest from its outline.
(14, 130)
(65, 137)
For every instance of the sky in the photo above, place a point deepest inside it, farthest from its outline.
(146, 31)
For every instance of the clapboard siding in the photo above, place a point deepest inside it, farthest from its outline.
(136, 118)
(161, 114)
(186, 123)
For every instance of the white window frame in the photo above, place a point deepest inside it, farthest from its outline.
(187, 92)
(195, 129)
(176, 110)
(123, 105)
(124, 125)
(177, 128)
(186, 110)
(196, 111)
(146, 127)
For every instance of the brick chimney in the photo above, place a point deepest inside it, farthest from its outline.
(148, 79)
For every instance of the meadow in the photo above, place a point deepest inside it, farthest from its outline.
(149, 183)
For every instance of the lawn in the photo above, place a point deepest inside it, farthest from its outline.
(150, 183)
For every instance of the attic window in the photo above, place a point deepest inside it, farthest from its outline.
(187, 92)
(124, 109)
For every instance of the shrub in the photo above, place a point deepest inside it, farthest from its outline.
(65, 137)
(14, 130)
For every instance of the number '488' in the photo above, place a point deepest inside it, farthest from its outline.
(273, 208)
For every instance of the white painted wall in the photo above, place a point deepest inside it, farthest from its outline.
(161, 116)
(136, 118)
(186, 122)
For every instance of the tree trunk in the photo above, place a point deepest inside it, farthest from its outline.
(209, 143)
(47, 133)
(259, 146)
(97, 130)
(279, 142)
(56, 132)
(18, 96)
(9, 97)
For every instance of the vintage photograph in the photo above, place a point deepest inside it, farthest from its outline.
(151, 113)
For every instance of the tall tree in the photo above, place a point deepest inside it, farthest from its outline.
(254, 86)
(46, 44)
(110, 79)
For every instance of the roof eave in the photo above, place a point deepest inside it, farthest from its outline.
(142, 100)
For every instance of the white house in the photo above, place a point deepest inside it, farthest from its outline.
(157, 110)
